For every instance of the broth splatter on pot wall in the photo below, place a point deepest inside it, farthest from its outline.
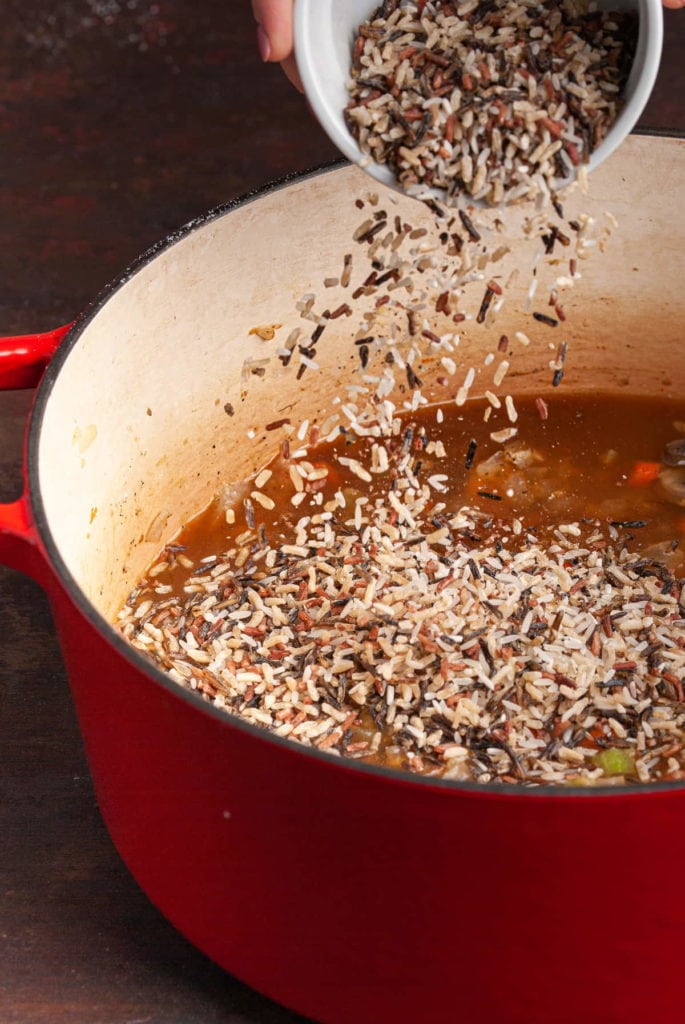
(496, 102)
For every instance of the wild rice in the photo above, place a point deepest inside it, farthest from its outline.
(497, 101)
(480, 697)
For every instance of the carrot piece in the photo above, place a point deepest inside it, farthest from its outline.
(643, 473)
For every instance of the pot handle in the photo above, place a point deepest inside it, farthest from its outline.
(23, 359)
(19, 544)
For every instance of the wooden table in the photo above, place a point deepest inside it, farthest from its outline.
(119, 121)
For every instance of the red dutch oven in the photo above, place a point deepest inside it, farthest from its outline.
(348, 893)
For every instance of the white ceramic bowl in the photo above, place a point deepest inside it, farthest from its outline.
(325, 29)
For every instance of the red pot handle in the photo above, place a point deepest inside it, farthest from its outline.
(19, 543)
(23, 359)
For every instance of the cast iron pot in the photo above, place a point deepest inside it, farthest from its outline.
(354, 895)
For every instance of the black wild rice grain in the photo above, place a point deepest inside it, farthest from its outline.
(389, 275)
(412, 379)
(474, 235)
(485, 305)
(544, 319)
(369, 235)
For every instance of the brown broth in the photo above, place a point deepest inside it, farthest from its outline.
(587, 449)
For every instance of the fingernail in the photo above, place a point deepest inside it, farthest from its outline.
(263, 43)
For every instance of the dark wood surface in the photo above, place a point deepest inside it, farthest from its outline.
(119, 121)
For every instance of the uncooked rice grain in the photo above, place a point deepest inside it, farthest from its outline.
(499, 102)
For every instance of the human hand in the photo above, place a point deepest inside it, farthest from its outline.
(275, 33)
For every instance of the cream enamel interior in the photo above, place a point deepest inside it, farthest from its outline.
(136, 439)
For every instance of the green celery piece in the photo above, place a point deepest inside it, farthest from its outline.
(615, 761)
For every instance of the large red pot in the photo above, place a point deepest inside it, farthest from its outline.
(348, 893)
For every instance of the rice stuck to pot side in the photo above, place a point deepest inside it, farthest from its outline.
(491, 100)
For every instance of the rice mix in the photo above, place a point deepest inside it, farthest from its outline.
(383, 625)
(452, 644)
(489, 100)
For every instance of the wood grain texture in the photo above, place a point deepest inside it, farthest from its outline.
(119, 121)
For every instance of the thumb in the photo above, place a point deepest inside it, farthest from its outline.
(275, 28)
